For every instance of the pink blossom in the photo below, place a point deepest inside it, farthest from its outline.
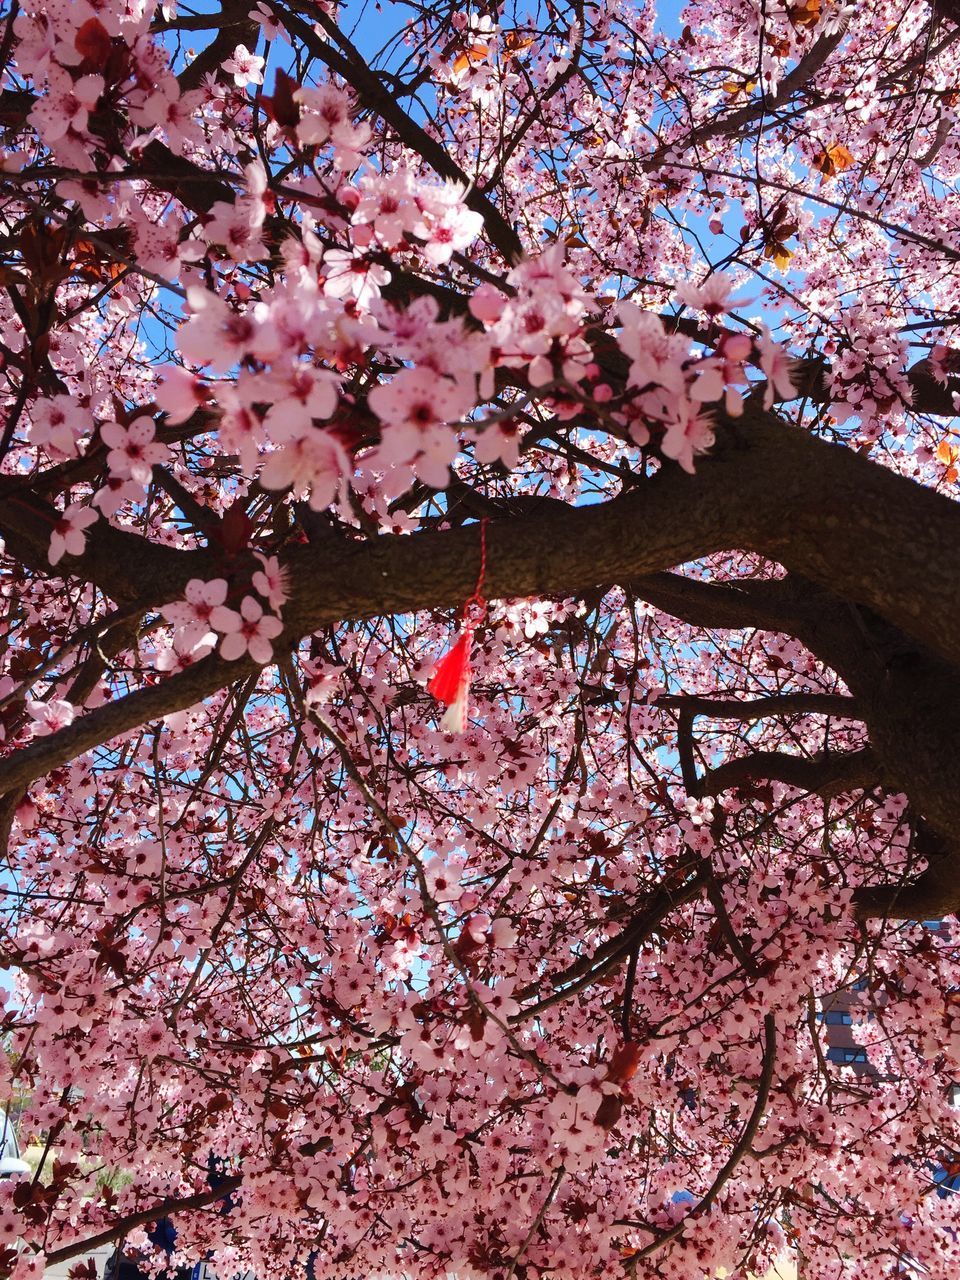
(777, 367)
(269, 23)
(414, 408)
(66, 105)
(349, 275)
(68, 537)
(115, 493)
(712, 297)
(487, 303)
(313, 463)
(11, 1224)
(327, 118)
(477, 926)
(251, 631)
(502, 933)
(192, 617)
(180, 393)
(151, 1039)
(322, 686)
(133, 452)
(656, 357)
(272, 581)
(174, 112)
(498, 442)
(58, 424)
(180, 653)
(245, 67)
(215, 333)
(689, 432)
(446, 224)
(443, 880)
(238, 224)
(707, 384)
(51, 716)
(299, 396)
(387, 205)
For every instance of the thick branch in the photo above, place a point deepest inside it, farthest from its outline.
(825, 511)
(772, 604)
(235, 27)
(609, 955)
(124, 565)
(825, 774)
(930, 897)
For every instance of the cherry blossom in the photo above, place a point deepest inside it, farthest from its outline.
(712, 297)
(215, 334)
(248, 632)
(271, 581)
(49, 717)
(689, 431)
(245, 67)
(173, 112)
(180, 393)
(777, 369)
(192, 616)
(327, 118)
(268, 22)
(387, 205)
(68, 537)
(313, 463)
(59, 425)
(446, 225)
(238, 224)
(133, 450)
(66, 105)
(351, 276)
(415, 408)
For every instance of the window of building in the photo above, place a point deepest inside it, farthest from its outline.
(846, 1055)
(837, 1018)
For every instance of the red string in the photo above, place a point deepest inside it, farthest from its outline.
(477, 598)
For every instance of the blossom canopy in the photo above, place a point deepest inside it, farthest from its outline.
(480, 637)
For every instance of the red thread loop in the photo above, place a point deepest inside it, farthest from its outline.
(477, 597)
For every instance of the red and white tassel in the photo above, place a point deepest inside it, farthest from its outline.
(450, 683)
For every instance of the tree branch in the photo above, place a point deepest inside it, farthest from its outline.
(161, 1209)
(610, 954)
(824, 775)
(742, 1146)
(375, 96)
(772, 604)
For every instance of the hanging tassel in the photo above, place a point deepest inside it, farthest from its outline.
(450, 683)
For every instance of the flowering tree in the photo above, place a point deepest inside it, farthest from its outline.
(319, 333)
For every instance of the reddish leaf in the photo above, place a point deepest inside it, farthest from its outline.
(93, 42)
(235, 529)
(608, 1113)
(282, 108)
(624, 1062)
